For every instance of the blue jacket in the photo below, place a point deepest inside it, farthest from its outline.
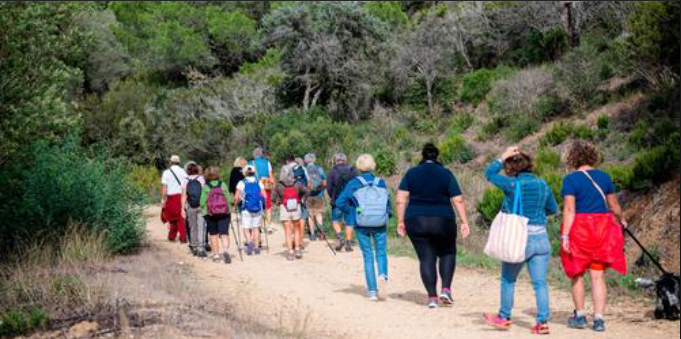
(537, 197)
(346, 201)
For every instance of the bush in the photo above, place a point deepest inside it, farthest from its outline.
(549, 106)
(603, 122)
(455, 149)
(622, 176)
(60, 185)
(580, 72)
(16, 322)
(461, 123)
(560, 131)
(385, 162)
(656, 165)
(490, 204)
(146, 179)
(520, 127)
(546, 161)
(492, 127)
(477, 84)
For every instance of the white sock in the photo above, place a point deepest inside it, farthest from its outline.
(598, 316)
(580, 313)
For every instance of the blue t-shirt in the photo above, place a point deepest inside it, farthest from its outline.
(311, 167)
(587, 197)
(262, 167)
(431, 187)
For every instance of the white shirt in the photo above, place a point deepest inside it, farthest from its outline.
(171, 184)
(241, 186)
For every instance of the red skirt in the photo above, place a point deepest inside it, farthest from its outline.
(595, 238)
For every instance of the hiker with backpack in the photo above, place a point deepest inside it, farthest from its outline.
(340, 175)
(197, 226)
(426, 199)
(366, 196)
(315, 203)
(288, 195)
(237, 174)
(216, 212)
(301, 176)
(591, 233)
(264, 174)
(250, 195)
(173, 196)
(529, 197)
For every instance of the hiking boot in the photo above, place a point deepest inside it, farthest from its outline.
(497, 322)
(382, 288)
(446, 297)
(202, 254)
(313, 237)
(348, 246)
(599, 325)
(341, 245)
(290, 256)
(299, 254)
(578, 322)
(432, 302)
(541, 329)
(249, 248)
(226, 258)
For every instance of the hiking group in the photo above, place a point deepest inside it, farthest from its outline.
(425, 202)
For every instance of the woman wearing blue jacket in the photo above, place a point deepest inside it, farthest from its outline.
(537, 201)
(373, 255)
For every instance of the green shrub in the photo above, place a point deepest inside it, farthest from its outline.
(557, 134)
(14, 322)
(583, 132)
(455, 149)
(490, 204)
(385, 162)
(555, 182)
(477, 84)
(461, 123)
(549, 106)
(622, 176)
(492, 127)
(146, 180)
(546, 161)
(603, 122)
(60, 184)
(520, 127)
(580, 71)
(426, 125)
(656, 165)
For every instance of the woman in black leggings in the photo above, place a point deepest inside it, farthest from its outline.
(426, 199)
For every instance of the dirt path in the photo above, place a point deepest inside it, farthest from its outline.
(323, 296)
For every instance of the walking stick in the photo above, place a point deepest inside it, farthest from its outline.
(264, 230)
(326, 239)
(237, 236)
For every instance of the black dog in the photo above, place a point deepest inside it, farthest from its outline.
(667, 303)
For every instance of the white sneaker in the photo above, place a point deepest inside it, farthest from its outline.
(433, 303)
(382, 288)
(373, 296)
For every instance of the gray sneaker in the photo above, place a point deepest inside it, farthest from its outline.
(226, 258)
(348, 246)
(341, 244)
(290, 256)
(299, 254)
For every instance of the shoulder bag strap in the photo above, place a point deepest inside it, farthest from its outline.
(377, 181)
(178, 180)
(362, 180)
(598, 188)
(517, 198)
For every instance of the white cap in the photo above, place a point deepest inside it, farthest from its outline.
(175, 159)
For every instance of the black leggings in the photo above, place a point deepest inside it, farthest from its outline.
(433, 238)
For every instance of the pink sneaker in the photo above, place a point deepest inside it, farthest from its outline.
(497, 322)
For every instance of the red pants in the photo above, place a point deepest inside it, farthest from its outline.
(173, 215)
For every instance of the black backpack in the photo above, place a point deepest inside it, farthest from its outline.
(344, 173)
(194, 193)
(299, 175)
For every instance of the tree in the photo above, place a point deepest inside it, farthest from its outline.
(330, 48)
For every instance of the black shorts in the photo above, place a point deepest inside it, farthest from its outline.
(218, 226)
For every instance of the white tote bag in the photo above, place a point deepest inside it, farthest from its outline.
(508, 235)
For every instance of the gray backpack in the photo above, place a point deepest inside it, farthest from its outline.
(372, 204)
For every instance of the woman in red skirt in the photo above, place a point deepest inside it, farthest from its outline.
(592, 238)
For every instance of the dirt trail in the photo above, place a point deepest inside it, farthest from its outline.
(323, 296)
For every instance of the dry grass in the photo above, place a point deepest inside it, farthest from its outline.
(148, 295)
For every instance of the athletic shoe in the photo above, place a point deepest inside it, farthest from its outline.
(194, 252)
(578, 322)
(249, 248)
(256, 250)
(313, 237)
(382, 288)
(541, 329)
(373, 296)
(433, 303)
(496, 321)
(216, 258)
(202, 254)
(348, 246)
(446, 297)
(290, 256)
(341, 244)
(226, 258)
(299, 254)
(599, 325)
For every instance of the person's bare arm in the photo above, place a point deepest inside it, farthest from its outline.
(164, 195)
(616, 209)
(460, 204)
(568, 220)
(237, 199)
(401, 201)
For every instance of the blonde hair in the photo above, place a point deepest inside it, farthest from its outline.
(212, 173)
(366, 163)
(240, 162)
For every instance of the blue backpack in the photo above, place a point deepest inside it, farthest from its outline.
(253, 199)
(372, 204)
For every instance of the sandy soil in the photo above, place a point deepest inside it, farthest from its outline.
(323, 296)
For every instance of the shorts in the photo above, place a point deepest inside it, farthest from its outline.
(315, 205)
(250, 220)
(217, 226)
(339, 216)
(598, 266)
(285, 215)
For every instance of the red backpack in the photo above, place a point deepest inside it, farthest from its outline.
(217, 203)
(290, 199)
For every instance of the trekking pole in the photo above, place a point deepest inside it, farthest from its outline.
(237, 236)
(321, 232)
(264, 230)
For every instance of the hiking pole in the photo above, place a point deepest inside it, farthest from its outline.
(321, 232)
(237, 235)
(650, 256)
(264, 230)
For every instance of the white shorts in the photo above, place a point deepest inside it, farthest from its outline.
(285, 215)
(250, 220)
